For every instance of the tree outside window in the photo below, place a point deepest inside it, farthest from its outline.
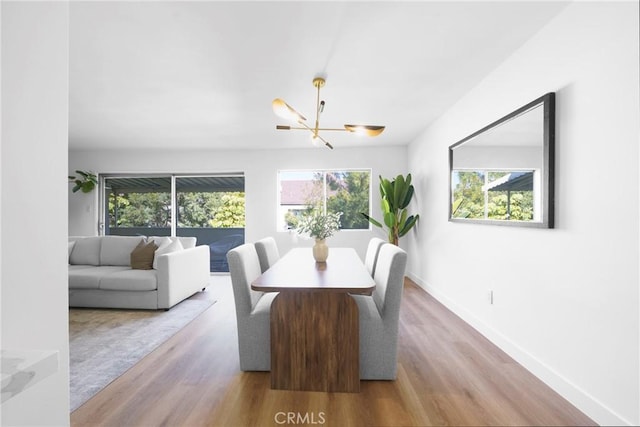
(477, 194)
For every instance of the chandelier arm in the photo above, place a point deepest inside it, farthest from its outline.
(287, 127)
(313, 131)
(305, 127)
(315, 134)
(325, 142)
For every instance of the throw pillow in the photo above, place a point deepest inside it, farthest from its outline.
(174, 246)
(160, 241)
(142, 256)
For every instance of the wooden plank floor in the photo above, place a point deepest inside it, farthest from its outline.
(448, 374)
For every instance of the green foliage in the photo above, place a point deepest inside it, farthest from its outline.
(85, 181)
(292, 219)
(230, 213)
(395, 198)
(520, 205)
(350, 195)
(195, 209)
(143, 210)
(469, 199)
(318, 225)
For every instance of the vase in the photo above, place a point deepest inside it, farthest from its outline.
(320, 251)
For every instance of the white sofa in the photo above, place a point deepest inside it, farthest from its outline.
(100, 273)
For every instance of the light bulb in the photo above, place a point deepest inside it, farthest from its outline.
(367, 130)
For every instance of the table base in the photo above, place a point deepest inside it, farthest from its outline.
(315, 342)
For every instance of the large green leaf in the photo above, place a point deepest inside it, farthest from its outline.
(407, 197)
(398, 189)
(411, 221)
(86, 181)
(390, 219)
(371, 220)
(88, 186)
(384, 205)
(406, 194)
(386, 188)
(403, 218)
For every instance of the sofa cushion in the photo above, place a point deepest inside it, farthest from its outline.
(160, 241)
(71, 245)
(86, 251)
(188, 242)
(130, 280)
(75, 267)
(174, 246)
(89, 278)
(142, 255)
(116, 250)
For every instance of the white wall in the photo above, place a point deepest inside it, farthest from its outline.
(261, 186)
(492, 157)
(566, 299)
(34, 298)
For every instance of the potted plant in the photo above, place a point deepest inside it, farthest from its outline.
(85, 181)
(396, 196)
(320, 226)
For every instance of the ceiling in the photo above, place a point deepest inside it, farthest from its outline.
(202, 75)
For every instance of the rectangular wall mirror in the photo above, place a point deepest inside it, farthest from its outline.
(503, 174)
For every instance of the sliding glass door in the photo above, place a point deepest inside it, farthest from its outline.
(208, 207)
(138, 206)
(211, 208)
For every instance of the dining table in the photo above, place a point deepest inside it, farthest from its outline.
(314, 320)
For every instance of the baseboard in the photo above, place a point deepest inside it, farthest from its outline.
(579, 398)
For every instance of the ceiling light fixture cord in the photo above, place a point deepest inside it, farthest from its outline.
(318, 85)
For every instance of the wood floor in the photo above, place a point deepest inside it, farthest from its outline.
(448, 374)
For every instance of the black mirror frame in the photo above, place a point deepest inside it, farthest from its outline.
(548, 168)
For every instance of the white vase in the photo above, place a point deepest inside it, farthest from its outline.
(320, 251)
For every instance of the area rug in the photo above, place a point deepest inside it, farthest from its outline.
(105, 343)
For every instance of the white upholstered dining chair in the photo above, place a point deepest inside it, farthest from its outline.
(253, 309)
(268, 252)
(372, 254)
(379, 315)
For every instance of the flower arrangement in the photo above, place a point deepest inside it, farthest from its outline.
(319, 225)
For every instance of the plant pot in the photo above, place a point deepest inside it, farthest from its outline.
(320, 251)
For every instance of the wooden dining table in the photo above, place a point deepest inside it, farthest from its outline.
(314, 320)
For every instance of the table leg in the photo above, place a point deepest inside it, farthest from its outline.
(315, 342)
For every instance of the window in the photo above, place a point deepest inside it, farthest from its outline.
(208, 207)
(492, 194)
(135, 203)
(346, 191)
